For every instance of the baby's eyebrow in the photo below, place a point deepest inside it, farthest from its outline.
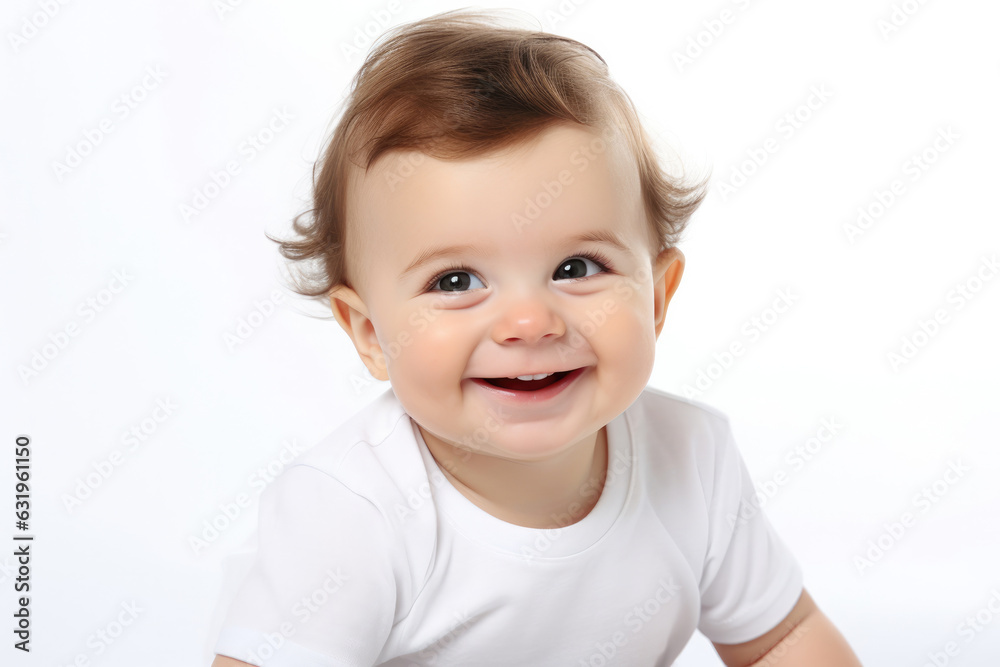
(430, 254)
(605, 236)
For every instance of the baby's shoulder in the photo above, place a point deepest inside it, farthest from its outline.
(679, 440)
(372, 460)
(672, 414)
(373, 452)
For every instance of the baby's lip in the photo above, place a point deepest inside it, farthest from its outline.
(519, 373)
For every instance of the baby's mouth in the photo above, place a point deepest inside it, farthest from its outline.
(526, 385)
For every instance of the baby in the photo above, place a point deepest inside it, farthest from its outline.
(494, 232)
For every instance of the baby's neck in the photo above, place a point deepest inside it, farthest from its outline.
(553, 494)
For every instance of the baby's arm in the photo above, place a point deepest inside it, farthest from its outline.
(805, 637)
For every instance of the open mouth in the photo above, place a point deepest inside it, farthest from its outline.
(527, 385)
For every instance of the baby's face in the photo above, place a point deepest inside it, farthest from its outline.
(505, 266)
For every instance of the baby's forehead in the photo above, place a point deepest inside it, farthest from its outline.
(407, 190)
(560, 152)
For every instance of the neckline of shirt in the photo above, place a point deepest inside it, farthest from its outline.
(539, 543)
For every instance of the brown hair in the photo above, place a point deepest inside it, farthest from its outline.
(463, 84)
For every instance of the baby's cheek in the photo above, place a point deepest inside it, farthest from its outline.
(630, 335)
(440, 345)
(435, 359)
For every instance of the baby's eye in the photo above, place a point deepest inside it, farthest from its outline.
(572, 267)
(454, 281)
(458, 278)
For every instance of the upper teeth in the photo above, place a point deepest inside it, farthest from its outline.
(532, 377)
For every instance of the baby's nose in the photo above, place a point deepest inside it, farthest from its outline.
(529, 320)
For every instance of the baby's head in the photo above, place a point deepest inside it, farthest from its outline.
(489, 206)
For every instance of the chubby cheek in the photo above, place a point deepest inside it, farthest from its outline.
(626, 343)
(426, 373)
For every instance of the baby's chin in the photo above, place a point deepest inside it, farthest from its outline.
(526, 443)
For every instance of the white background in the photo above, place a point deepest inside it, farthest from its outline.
(190, 283)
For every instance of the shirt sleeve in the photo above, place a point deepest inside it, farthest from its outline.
(321, 591)
(751, 580)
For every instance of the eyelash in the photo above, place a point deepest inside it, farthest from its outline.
(595, 257)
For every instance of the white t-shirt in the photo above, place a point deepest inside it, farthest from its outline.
(367, 555)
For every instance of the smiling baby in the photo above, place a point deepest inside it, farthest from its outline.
(494, 233)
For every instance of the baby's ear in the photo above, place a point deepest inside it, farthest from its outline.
(353, 317)
(667, 272)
